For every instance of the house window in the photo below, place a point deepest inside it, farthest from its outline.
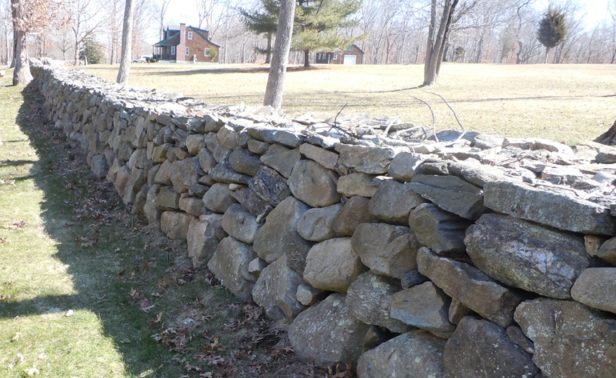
(190, 35)
(187, 51)
(206, 52)
(172, 50)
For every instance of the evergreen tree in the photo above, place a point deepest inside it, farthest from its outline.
(318, 23)
(263, 22)
(552, 29)
(91, 51)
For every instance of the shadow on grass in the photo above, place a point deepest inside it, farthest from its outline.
(99, 252)
(213, 70)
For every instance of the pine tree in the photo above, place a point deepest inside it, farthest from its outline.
(263, 22)
(552, 29)
(91, 51)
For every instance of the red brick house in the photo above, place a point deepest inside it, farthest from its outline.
(351, 55)
(186, 44)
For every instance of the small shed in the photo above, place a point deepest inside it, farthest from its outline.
(351, 55)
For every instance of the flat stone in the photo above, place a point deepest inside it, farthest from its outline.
(457, 310)
(256, 266)
(403, 166)
(327, 332)
(475, 173)
(204, 234)
(218, 198)
(276, 288)
(240, 224)
(326, 158)
(242, 161)
(369, 300)
(257, 147)
(332, 265)
(281, 159)
(313, 184)
(570, 340)
(353, 213)
(175, 224)
(317, 224)
(479, 348)
(596, 288)
(607, 251)
(195, 143)
(451, 194)
(386, 249)
(393, 202)
(278, 236)
(222, 172)
(357, 184)
(192, 206)
(423, 306)
(414, 354)
(230, 265)
(167, 198)
(412, 278)
(275, 135)
(370, 160)
(307, 295)
(270, 186)
(526, 255)
(470, 286)
(439, 230)
(163, 175)
(251, 202)
(549, 207)
(518, 338)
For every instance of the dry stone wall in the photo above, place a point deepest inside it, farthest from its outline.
(471, 257)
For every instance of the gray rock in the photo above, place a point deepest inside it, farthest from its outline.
(486, 141)
(163, 175)
(357, 184)
(307, 295)
(317, 224)
(275, 135)
(276, 289)
(414, 354)
(439, 230)
(327, 332)
(596, 288)
(270, 186)
(385, 249)
(353, 213)
(167, 198)
(206, 160)
(477, 173)
(326, 158)
(281, 159)
(278, 236)
(99, 166)
(218, 198)
(222, 172)
(457, 310)
(412, 278)
(175, 224)
(394, 201)
(607, 251)
(479, 348)
(251, 202)
(525, 255)
(195, 143)
(592, 243)
(240, 224)
(570, 340)
(332, 265)
(244, 162)
(203, 236)
(518, 338)
(470, 286)
(227, 137)
(369, 300)
(313, 184)
(256, 266)
(230, 265)
(549, 207)
(371, 160)
(192, 206)
(257, 147)
(218, 151)
(150, 210)
(423, 306)
(403, 166)
(451, 193)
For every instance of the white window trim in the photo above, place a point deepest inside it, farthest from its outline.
(189, 35)
(206, 51)
(187, 51)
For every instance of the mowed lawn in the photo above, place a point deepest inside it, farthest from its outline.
(569, 103)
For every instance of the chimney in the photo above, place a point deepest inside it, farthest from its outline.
(181, 49)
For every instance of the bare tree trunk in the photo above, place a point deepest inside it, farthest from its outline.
(127, 32)
(22, 74)
(547, 51)
(14, 14)
(280, 58)
(609, 137)
(306, 58)
(268, 54)
(437, 41)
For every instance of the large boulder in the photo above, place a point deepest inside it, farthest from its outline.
(479, 348)
(423, 306)
(204, 234)
(278, 236)
(313, 184)
(558, 209)
(596, 287)
(327, 332)
(393, 202)
(184, 174)
(451, 193)
(414, 354)
(470, 286)
(317, 224)
(175, 224)
(570, 340)
(240, 224)
(218, 198)
(369, 300)
(386, 249)
(276, 290)
(281, 159)
(525, 255)
(332, 265)
(439, 230)
(353, 213)
(230, 265)
(371, 160)
(607, 251)
(270, 186)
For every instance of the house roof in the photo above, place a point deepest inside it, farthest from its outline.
(174, 39)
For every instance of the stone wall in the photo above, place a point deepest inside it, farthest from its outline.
(476, 257)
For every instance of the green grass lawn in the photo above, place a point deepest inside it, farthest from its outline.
(569, 103)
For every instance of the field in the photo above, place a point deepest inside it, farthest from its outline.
(569, 103)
